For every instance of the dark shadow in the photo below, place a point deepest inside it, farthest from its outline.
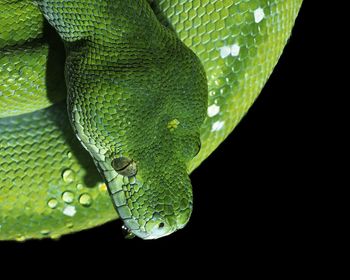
(160, 15)
(55, 83)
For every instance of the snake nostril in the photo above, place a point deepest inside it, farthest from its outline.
(161, 225)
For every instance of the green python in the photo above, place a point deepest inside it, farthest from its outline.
(109, 104)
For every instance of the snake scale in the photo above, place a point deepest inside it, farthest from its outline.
(106, 106)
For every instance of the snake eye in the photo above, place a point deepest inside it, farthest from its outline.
(195, 148)
(124, 166)
(199, 146)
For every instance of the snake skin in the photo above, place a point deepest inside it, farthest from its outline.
(238, 43)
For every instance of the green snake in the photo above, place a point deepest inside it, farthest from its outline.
(107, 106)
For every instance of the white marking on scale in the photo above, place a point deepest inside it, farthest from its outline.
(217, 126)
(69, 211)
(225, 51)
(259, 15)
(213, 110)
(232, 50)
(235, 48)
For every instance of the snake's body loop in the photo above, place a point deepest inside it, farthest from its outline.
(153, 87)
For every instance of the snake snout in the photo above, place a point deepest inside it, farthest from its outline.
(163, 227)
(159, 226)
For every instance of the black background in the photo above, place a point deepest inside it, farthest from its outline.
(249, 194)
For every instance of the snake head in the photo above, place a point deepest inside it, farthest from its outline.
(145, 147)
(143, 141)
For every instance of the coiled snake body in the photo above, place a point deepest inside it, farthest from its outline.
(148, 88)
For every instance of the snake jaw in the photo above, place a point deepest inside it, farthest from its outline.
(159, 225)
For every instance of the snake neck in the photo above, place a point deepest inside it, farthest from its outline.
(111, 23)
